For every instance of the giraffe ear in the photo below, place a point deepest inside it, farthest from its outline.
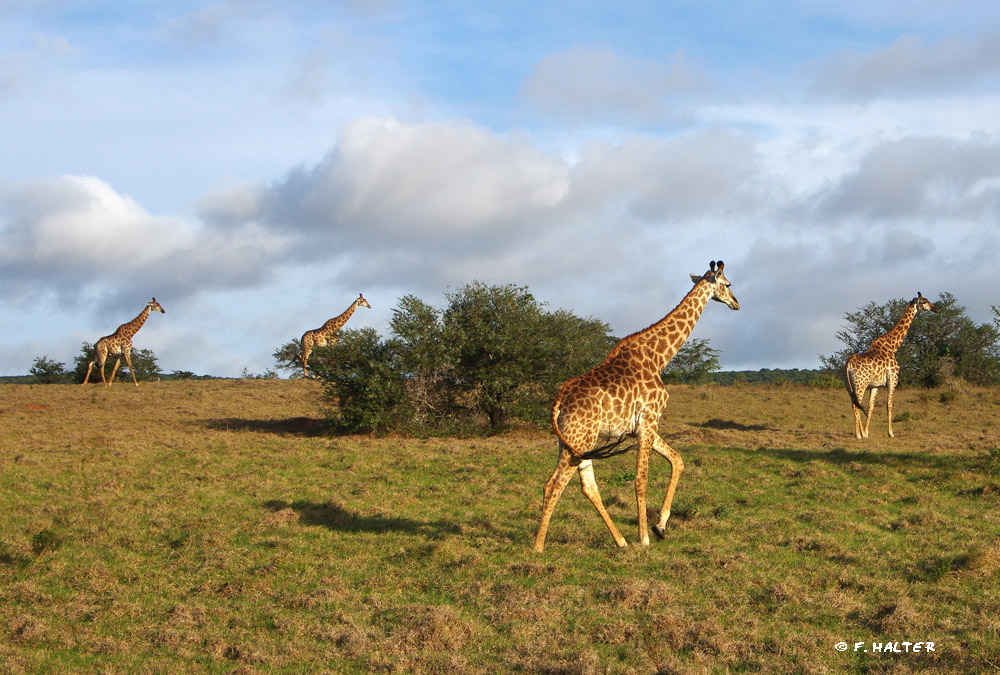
(697, 277)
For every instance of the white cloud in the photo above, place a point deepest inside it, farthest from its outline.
(396, 184)
(75, 233)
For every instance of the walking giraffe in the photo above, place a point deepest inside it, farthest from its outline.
(326, 335)
(877, 367)
(120, 342)
(596, 414)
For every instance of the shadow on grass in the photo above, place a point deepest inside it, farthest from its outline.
(296, 426)
(843, 456)
(335, 517)
(716, 423)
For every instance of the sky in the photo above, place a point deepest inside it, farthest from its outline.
(256, 165)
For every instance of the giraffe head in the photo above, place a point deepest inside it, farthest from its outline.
(923, 303)
(362, 302)
(719, 283)
(154, 305)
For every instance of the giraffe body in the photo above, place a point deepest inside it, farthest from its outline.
(616, 407)
(326, 335)
(120, 343)
(877, 367)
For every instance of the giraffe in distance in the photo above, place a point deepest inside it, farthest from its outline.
(120, 343)
(326, 335)
(877, 367)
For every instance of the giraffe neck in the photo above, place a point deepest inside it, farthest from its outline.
(663, 339)
(893, 340)
(336, 322)
(127, 330)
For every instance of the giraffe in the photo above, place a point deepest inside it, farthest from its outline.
(877, 367)
(617, 406)
(120, 342)
(326, 335)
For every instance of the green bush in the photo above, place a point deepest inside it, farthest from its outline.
(363, 383)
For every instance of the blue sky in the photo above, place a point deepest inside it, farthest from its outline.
(255, 165)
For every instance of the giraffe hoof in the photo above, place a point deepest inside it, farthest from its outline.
(658, 531)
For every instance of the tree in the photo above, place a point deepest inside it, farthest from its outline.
(937, 347)
(693, 363)
(289, 357)
(143, 363)
(427, 360)
(511, 356)
(47, 371)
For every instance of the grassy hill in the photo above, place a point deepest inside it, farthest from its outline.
(212, 526)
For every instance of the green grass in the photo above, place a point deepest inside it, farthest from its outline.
(211, 527)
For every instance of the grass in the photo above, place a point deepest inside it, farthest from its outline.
(212, 526)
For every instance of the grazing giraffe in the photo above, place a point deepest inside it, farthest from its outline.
(877, 367)
(617, 406)
(120, 342)
(326, 335)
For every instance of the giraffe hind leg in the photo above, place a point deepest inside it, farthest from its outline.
(87, 378)
(554, 487)
(589, 485)
(871, 409)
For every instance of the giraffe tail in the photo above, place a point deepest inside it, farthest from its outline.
(852, 387)
(555, 425)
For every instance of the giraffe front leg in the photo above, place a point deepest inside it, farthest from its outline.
(554, 487)
(87, 378)
(676, 469)
(589, 484)
(888, 409)
(641, 483)
(128, 360)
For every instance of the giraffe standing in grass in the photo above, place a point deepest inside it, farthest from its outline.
(326, 335)
(877, 367)
(617, 406)
(120, 342)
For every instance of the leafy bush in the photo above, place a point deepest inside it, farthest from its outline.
(493, 355)
(364, 382)
(47, 371)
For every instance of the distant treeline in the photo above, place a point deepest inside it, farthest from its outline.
(774, 376)
(182, 375)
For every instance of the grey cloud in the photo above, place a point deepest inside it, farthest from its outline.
(909, 65)
(919, 177)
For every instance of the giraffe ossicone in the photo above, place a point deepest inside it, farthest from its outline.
(326, 335)
(616, 407)
(877, 367)
(120, 343)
